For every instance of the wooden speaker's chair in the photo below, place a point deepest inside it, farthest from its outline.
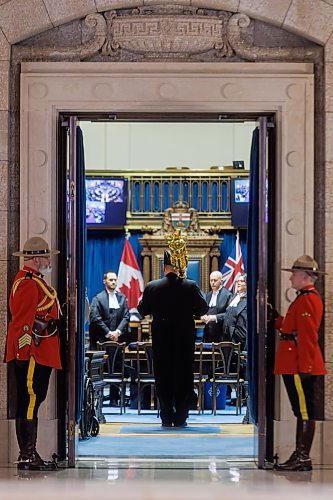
(226, 357)
(115, 368)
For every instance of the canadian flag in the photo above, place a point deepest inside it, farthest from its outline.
(130, 280)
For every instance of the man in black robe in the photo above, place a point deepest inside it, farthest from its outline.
(235, 317)
(173, 302)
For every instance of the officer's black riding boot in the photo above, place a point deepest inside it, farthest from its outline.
(18, 424)
(293, 457)
(29, 458)
(303, 461)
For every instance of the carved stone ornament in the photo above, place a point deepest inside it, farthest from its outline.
(175, 30)
(170, 31)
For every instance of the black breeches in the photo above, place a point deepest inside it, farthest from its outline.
(301, 395)
(32, 381)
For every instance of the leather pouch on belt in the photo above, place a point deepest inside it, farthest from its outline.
(39, 330)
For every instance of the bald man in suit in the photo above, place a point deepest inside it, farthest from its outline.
(218, 300)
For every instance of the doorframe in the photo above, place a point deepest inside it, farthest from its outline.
(285, 89)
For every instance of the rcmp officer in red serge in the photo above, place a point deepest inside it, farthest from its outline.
(299, 359)
(32, 345)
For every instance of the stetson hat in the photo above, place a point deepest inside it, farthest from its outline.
(305, 263)
(35, 247)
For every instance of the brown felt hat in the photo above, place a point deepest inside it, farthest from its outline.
(35, 247)
(305, 263)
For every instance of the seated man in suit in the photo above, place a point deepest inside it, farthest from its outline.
(217, 300)
(109, 315)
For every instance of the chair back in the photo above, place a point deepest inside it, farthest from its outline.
(145, 329)
(144, 359)
(226, 360)
(198, 354)
(116, 357)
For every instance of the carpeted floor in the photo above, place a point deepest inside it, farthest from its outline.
(227, 416)
(137, 440)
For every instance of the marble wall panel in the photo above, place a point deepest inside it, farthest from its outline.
(329, 50)
(3, 288)
(329, 87)
(312, 19)
(329, 392)
(20, 19)
(3, 135)
(4, 82)
(4, 47)
(3, 236)
(266, 10)
(63, 11)
(329, 137)
(117, 4)
(228, 5)
(329, 193)
(3, 184)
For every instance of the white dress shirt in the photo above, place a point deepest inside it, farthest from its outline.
(113, 301)
(213, 298)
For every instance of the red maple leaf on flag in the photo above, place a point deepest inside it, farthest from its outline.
(130, 280)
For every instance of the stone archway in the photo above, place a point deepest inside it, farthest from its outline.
(19, 21)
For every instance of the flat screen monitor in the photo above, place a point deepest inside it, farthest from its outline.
(240, 191)
(106, 202)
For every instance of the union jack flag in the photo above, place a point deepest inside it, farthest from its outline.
(233, 267)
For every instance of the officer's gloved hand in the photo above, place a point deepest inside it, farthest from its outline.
(272, 313)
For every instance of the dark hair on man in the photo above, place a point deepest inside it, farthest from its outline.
(108, 272)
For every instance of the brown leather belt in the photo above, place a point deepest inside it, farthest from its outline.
(287, 336)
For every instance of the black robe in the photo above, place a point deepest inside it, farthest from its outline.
(213, 331)
(173, 302)
(235, 323)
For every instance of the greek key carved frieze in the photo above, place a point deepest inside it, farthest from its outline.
(177, 33)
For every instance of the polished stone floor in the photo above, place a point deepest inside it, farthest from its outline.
(162, 479)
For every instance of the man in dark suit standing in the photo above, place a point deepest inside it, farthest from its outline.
(109, 315)
(173, 302)
(218, 300)
(109, 318)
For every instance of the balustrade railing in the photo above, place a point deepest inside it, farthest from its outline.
(150, 193)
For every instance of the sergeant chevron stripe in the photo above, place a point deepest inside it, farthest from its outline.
(24, 340)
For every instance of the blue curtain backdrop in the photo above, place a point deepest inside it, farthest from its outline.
(252, 364)
(103, 253)
(81, 269)
(104, 250)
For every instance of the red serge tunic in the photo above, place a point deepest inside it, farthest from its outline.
(32, 297)
(303, 318)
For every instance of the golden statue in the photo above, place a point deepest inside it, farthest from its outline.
(178, 251)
